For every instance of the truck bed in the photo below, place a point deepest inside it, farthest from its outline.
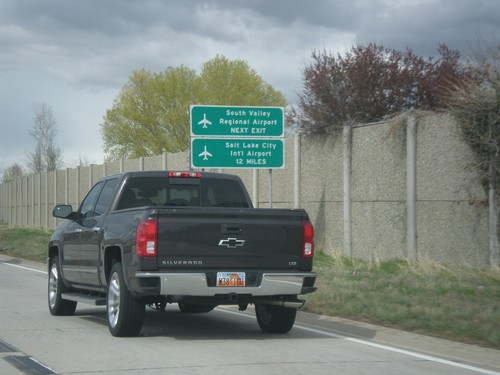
(249, 238)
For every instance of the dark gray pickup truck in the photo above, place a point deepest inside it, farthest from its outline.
(192, 238)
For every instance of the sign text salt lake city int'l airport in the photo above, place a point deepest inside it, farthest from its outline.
(237, 153)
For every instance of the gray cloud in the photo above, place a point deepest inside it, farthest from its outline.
(75, 55)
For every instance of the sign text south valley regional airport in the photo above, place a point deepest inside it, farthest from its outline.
(237, 121)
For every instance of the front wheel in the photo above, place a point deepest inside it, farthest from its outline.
(275, 319)
(56, 287)
(124, 312)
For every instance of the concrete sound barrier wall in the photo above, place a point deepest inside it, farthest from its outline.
(402, 188)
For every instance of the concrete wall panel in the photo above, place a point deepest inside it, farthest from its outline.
(378, 164)
(378, 230)
(444, 162)
(452, 232)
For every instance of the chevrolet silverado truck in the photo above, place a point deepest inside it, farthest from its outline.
(152, 238)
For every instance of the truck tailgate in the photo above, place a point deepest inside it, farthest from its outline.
(230, 238)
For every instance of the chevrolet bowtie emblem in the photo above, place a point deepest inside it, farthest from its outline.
(232, 243)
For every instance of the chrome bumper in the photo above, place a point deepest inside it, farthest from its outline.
(195, 284)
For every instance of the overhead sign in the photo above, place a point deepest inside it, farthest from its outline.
(235, 121)
(237, 153)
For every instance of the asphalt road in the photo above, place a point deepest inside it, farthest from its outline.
(223, 341)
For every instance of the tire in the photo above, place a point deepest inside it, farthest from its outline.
(189, 308)
(275, 319)
(125, 314)
(56, 287)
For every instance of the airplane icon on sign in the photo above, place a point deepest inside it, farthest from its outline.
(205, 154)
(204, 122)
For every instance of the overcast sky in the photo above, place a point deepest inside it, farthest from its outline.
(75, 55)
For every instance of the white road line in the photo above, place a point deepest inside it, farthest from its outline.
(383, 347)
(24, 268)
(400, 351)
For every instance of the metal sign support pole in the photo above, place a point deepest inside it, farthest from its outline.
(270, 188)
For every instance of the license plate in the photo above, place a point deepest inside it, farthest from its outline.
(230, 279)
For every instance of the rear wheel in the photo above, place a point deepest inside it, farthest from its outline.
(56, 287)
(275, 319)
(124, 312)
(189, 308)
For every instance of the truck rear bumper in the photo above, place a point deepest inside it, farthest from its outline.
(195, 284)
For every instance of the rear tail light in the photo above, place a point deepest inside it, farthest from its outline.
(184, 174)
(147, 238)
(307, 240)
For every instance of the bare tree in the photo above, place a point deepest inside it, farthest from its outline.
(35, 159)
(476, 105)
(13, 172)
(46, 156)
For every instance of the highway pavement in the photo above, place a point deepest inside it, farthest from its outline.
(224, 341)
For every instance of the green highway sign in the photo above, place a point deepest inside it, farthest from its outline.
(237, 153)
(236, 121)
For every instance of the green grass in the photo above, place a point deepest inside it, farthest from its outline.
(456, 303)
(27, 243)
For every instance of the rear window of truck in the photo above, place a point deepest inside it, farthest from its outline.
(176, 192)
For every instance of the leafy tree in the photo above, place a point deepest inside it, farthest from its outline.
(13, 172)
(151, 113)
(226, 82)
(46, 156)
(370, 83)
(476, 105)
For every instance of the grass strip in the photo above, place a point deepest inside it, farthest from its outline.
(453, 302)
(26, 243)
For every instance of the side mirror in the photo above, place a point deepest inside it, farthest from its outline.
(89, 222)
(64, 211)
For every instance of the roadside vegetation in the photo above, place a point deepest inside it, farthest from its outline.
(452, 302)
(26, 243)
(456, 303)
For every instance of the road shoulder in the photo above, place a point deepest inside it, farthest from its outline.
(426, 345)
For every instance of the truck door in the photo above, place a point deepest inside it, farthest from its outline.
(72, 260)
(71, 253)
(91, 236)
